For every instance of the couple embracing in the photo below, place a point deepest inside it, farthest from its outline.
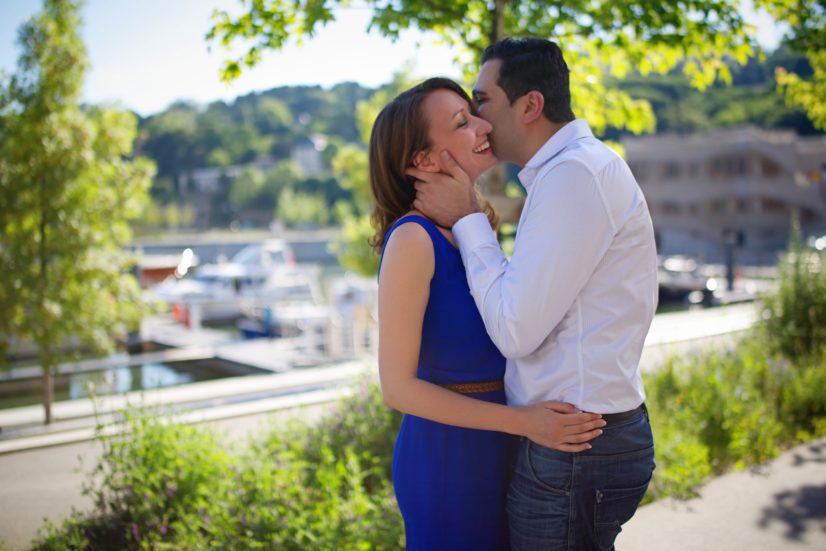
(525, 425)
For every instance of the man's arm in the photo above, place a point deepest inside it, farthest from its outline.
(561, 238)
(404, 288)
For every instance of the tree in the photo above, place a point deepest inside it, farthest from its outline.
(67, 191)
(599, 38)
(807, 22)
(350, 168)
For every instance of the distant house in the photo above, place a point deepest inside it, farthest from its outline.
(307, 154)
(199, 186)
(741, 185)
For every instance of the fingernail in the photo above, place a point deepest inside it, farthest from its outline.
(589, 446)
(445, 154)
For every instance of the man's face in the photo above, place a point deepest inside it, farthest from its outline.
(491, 103)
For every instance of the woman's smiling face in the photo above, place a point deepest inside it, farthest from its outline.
(454, 128)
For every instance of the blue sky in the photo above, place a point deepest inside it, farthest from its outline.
(145, 54)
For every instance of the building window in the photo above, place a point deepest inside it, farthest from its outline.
(772, 206)
(769, 168)
(693, 170)
(671, 208)
(722, 168)
(671, 170)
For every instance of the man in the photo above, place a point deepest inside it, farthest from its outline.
(571, 308)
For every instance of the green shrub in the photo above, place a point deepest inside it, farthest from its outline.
(795, 321)
(162, 485)
(730, 408)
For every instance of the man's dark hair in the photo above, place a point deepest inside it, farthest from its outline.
(534, 64)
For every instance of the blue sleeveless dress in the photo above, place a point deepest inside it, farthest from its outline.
(451, 482)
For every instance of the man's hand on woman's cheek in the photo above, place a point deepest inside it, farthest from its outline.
(445, 197)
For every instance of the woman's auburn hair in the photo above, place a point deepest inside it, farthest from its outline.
(399, 134)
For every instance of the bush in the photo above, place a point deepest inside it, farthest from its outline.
(163, 485)
(730, 408)
(795, 314)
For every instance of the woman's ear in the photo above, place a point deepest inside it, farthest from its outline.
(533, 106)
(425, 161)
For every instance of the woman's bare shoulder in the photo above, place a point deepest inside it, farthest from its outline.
(410, 249)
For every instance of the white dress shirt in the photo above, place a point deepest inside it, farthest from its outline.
(572, 307)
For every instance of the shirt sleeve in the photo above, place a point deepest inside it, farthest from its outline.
(562, 236)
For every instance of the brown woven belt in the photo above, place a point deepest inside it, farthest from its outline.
(476, 388)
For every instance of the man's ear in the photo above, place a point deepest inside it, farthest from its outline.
(533, 104)
(425, 161)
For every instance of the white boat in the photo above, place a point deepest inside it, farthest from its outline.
(289, 304)
(217, 291)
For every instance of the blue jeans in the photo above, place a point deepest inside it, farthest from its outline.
(579, 501)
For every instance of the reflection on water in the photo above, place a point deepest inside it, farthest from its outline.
(120, 380)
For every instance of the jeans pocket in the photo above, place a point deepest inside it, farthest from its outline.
(614, 507)
(550, 469)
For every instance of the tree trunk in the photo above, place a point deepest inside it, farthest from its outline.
(48, 393)
(492, 183)
(43, 343)
(498, 27)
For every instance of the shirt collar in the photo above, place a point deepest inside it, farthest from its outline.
(563, 137)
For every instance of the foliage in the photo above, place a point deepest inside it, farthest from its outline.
(171, 216)
(735, 407)
(796, 312)
(350, 167)
(299, 208)
(724, 408)
(162, 485)
(809, 94)
(268, 124)
(67, 191)
(752, 98)
(807, 22)
(351, 246)
(598, 38)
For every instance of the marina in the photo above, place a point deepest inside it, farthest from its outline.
(264, 329)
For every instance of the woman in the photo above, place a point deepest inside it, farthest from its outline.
(436, 361)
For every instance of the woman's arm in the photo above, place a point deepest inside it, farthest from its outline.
(404, 287)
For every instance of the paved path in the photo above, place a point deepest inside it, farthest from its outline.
(778, 506)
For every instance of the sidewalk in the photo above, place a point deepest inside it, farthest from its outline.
(777, 506)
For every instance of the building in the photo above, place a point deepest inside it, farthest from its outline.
(739, 186)
(306, 153)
